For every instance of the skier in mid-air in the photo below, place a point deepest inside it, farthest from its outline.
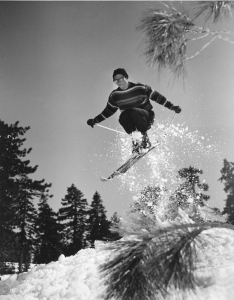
(133, 100)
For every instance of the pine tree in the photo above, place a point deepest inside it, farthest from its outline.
(11, 167)
(73, 216)
(9, 251)
(17, 190)
(228, 179)
(25, 216)
(49, 245)
(114, 228)
(99, 225)
(115, 219)
(148, 202)
(188, 195)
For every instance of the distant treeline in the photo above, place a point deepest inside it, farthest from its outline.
(40, 235)
(30, 235)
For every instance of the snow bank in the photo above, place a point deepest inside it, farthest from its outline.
(77, 277)
(74, 278)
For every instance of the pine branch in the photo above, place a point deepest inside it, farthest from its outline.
(150, 264)
(216, 9)
(198, 52)
(167, 33)
(165, 38)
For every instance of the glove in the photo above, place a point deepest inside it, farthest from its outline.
(91, 122)
(176, 109)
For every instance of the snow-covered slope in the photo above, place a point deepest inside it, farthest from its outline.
(77, 277)
(74, 277)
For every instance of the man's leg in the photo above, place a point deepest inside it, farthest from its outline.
(128, 124)
(137, 119)
(126, 121)
(140, 118)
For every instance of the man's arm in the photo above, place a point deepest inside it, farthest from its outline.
(108, 111)
(160, 99)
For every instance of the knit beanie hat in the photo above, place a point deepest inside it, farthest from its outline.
(120, 71)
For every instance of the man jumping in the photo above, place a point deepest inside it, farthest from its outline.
(133, 100)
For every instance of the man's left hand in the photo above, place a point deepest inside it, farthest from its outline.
(176, 109)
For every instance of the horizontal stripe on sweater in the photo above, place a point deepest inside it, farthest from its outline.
(137, 95)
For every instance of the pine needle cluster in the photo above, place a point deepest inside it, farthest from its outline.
(168, 32)
(155, 261)
(216, 9)
(165, 44)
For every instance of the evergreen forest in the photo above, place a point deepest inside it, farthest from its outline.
(35, 234)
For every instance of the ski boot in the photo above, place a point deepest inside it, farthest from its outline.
(135, 147)
(145, 143)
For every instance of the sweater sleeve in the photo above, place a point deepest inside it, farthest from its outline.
(108, 111)
(158, 98)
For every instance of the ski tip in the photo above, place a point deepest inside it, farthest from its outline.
(104, 179)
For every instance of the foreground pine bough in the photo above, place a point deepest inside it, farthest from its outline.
(154, 262)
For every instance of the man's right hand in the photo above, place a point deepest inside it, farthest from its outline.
(91, 122)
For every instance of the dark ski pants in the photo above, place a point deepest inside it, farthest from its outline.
(133, 119)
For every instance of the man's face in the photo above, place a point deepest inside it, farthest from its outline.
(121, 81)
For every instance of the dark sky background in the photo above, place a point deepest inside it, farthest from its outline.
(56, 65)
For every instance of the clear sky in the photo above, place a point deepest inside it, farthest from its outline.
(56, 65)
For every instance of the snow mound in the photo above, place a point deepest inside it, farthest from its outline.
(77, 277)
(74, 278)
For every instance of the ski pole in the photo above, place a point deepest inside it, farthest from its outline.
(172, 119)
(164, 131)
(121, 132)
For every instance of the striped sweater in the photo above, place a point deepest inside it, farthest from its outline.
(137, 95)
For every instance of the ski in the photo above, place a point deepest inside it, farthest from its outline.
(134, 158)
